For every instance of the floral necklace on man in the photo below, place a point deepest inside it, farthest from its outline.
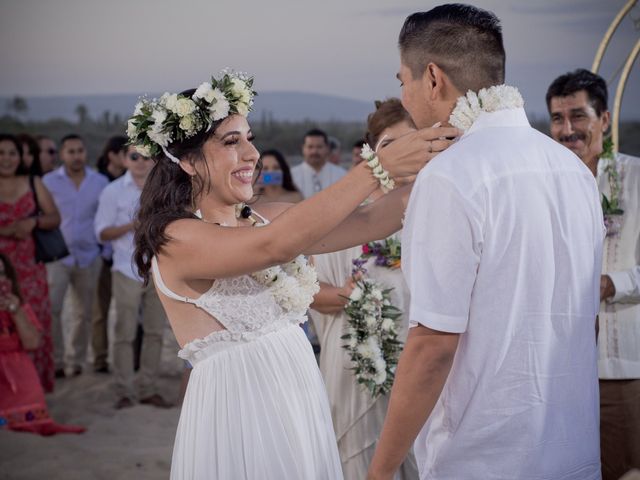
(469, 107)
(611, 206)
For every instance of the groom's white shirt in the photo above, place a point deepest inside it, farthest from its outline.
(502, 244)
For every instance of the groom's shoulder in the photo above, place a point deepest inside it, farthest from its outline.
(490, 153)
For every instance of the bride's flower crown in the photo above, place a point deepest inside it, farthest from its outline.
(157, 123)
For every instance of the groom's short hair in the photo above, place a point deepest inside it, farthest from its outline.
(463, 40)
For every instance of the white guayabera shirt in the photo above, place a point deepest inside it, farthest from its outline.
(310, 182)
(620, 316)
(503, 245)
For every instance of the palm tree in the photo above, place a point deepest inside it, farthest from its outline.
(83, 113)
(18, 105)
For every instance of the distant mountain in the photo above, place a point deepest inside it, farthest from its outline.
(293, 106)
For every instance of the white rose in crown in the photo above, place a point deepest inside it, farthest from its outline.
(239, 89)
(143, 150)
(204, 92)
(157, 135)
(188, 124)
(159, 115)
(184, 107)
(219, 110)
(169, 101)
(243, 109)
(132, 130)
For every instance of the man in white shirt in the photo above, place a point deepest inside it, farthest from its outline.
(114, 223)
(501, 251)
(315, 172)
(577, 103)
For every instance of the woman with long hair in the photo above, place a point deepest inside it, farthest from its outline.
(110, 163)
(275, 183)
(18, 218)
(235, 287)
(358, 414)
(30, 154)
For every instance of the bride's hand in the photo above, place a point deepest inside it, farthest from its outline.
(406, 155)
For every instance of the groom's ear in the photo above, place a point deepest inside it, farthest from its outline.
(434, 82)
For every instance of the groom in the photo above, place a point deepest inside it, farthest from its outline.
(501, 251)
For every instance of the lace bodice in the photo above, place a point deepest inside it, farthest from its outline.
(245, 308)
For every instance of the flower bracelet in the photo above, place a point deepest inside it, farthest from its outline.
(371, 157)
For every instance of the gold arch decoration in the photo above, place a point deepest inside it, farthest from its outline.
(624, 74)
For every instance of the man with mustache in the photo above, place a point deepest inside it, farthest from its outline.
(577, 103)
(315, 173)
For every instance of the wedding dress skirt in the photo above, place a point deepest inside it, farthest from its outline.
(256, 406)
(256, 410)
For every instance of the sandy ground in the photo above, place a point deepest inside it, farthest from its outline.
(133, 443)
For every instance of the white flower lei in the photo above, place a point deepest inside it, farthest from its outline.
(157, 123)
(293, 285)
(469, 107)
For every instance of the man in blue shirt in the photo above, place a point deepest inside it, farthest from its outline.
(76, 190)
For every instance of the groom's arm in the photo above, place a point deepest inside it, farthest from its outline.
(421, 374)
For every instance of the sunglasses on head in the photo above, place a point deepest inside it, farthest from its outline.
(134, 157)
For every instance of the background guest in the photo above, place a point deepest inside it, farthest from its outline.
(48, 153)
(315, 172)
(357, 416)
(275, 183)
(111, 161)
(356, 150)
(334, 151)
(111, 165)
(114, 223)
(22, 404)
(17, 221)
(577, 103)
(76, 190)
(30, 154)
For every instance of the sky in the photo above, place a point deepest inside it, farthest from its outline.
(338, 47)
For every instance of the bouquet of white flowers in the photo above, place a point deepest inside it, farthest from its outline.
(371, 336)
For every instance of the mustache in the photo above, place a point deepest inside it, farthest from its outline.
(574, 137)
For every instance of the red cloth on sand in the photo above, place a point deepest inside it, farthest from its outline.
(22, 403)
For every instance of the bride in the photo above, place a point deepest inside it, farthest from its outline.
(235, 287)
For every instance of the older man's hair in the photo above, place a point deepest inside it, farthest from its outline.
(580, 79)
(464, 41)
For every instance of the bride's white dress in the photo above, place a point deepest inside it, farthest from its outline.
(256, 406)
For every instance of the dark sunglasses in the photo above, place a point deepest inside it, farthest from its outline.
(134, 157)
(52, 151)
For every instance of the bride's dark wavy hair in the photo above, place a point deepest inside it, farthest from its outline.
(168, 195)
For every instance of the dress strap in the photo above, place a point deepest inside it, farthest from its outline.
(265, 221)
(157, 278)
